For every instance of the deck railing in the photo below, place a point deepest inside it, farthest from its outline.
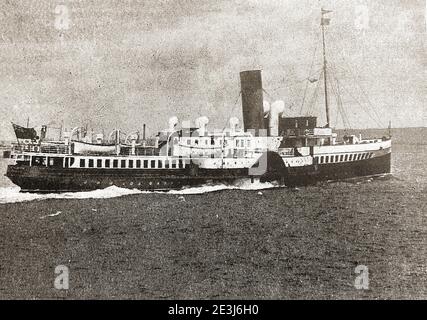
(299, 132)
(36, 148)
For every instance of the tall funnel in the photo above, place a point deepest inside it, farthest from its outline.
(252, 100)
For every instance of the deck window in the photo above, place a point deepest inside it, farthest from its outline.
(346, 157)
(160, 164)
(107, 163)
(82, 163)
(123, 164)
(115, 163)
(166, 164)
(153, 164)
(336, 158)
(145, 163)
(90, 163)
(130, 163)
(99, 163)
(350, 157)
(327, 159)
(341, 157)
(138, 163)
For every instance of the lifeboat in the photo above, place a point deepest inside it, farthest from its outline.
(80, 147)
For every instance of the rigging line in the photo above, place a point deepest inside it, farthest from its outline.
(232, 109)
(269, 95)
(309, 73)
(338, 101)
(358, 83)
(358, 102)
(372, 109)
(341, 109)
(314, 98)
(336, 95)
(298, 81)
(318, 89)
(311, 105)
(367, 111)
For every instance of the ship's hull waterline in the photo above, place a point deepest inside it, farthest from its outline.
(44, 179)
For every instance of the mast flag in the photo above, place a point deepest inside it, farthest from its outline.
(25, 135)
(325, 21)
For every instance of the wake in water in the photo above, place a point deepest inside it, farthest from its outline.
(12, 194)
(365, 179)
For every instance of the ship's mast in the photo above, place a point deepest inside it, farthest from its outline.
(323, 22)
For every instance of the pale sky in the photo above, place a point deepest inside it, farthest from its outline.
(111, 63)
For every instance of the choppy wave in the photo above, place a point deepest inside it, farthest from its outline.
(12, 194)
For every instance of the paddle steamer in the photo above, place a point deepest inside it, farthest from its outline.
(270, 146)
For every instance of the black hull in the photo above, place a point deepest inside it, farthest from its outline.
(345, 170)
(44, 179)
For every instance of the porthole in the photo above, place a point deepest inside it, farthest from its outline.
(151, 183)
(131, 183)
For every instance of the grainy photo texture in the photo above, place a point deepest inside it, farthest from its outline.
(213, 149)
